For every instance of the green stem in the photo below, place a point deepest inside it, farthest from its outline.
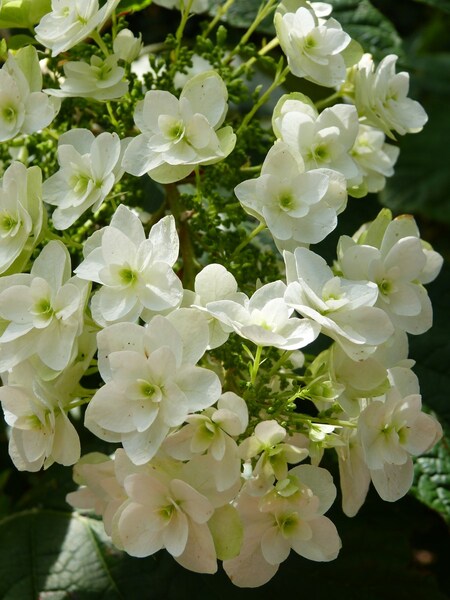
(184, 234)
(264, 50)
(283, 358)
(280, 77)
(321, 420)
(181, 26)
(222, 11)
(263, 12)
(100, 43)
(327, 101)
(255, 367)
(248, 239)
(112, 115)
(64, 238)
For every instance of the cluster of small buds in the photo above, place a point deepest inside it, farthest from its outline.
(202, 469)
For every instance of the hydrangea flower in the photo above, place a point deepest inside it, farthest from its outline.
(41, 432)
(344, 309)
(381, 97)
(289, 516)
(89, 168)
(324, 140)
(298, 207)
(151, 385)
(375, 159)
(135, 272)
(100, 79)
(21, 216)
(313, 45)
(42, 311)
(397, 264)
(24, 108)
(178, 134)
(265, 318)
(70, 22)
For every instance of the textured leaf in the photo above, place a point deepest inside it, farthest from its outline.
(432, 478)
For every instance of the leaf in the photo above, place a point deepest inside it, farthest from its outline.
(440, 4)
(368, 26)
(432, 477)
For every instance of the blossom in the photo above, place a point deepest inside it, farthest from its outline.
(213, 283)
(289, 516)
(152, 384)
(344, 309)
(375, 159)
(24, 108)
(89, 168)
(381, 97)
(135, 272)
(178, 134)
(324, 140)
(100, 79)
(212, 431)
(397, 265)
(265, 318)
(42, 311)
(127, 47)
(167, 514)
(392, 430)
(41, 432)
(313, 45)
(298, 207)
(70, 22)
(21, 216)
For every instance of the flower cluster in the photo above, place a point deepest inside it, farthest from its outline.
(200, 377)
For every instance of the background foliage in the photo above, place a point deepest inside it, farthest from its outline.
(389, 551)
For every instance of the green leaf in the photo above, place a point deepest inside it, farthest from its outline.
(440, 4)
(23, 13)
(368, 26)
(432, 477)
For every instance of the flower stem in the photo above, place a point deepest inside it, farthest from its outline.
(100, 43)
(327, 101)
(301, 418)
(221, 12)
(181, 26)
(264, 50)
(248, 239)
(255, 366)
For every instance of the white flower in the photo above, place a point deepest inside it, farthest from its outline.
(24, 108)
(21, 216)
(325, 140)
(397, 266)
(127, 47)
(167, 514)
(313, 45)
(152, 384)
(70, 22)
(265, 318)
(290, 516)
(42, 311)
(297, 207)
(381, 97)
(269, 443)
(391, 431)
(344, 309)
(101, 79)
(135, 272)
(212, 431)
(375, 158)
(213, 283)
(179, 134)
(41, 432)
(89, 168)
